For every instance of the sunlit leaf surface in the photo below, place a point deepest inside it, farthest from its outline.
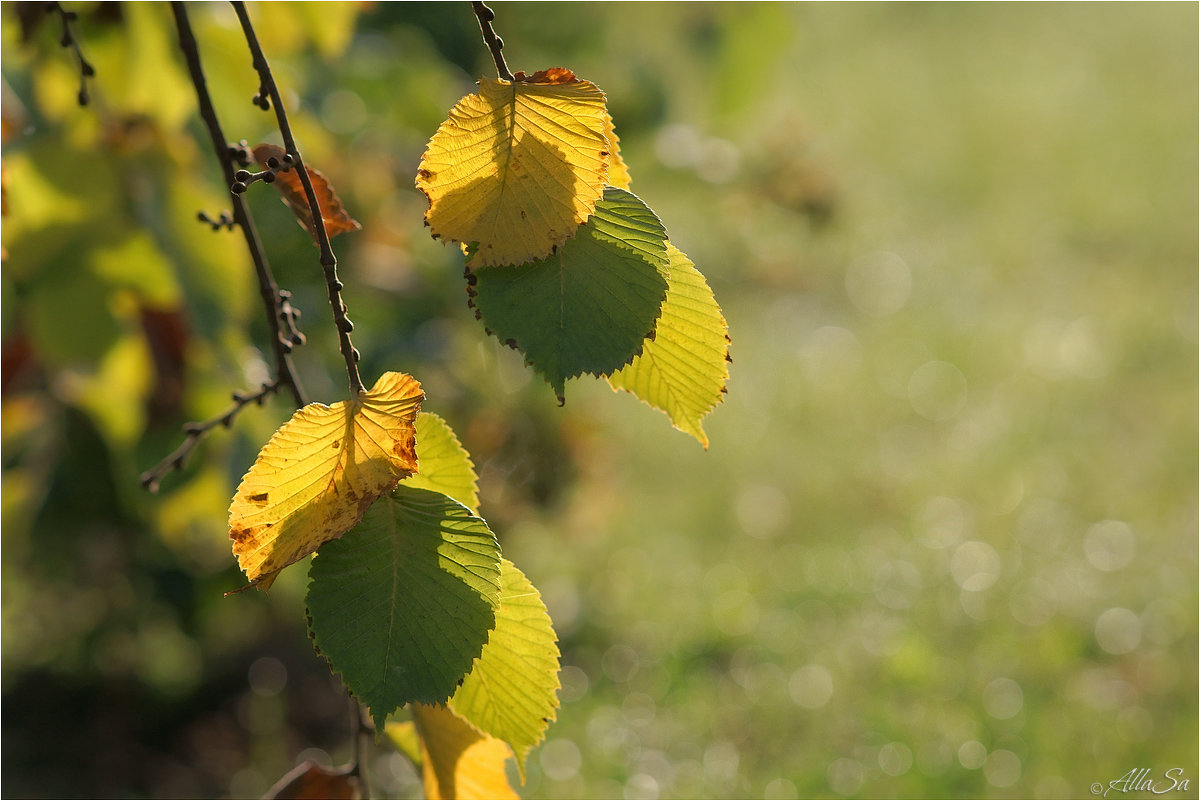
(517, 167)
(446, 467)
(320, 471)
(618, 170)
(511, 692)
(684, 369)
(459, 762)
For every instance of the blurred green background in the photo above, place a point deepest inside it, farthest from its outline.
(944, 540)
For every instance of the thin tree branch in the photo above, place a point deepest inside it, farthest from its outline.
(494, 43)
(196, 431)
(86, 70)
(268, 95)
(275, 302)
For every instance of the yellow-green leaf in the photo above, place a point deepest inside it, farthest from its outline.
(319, 472)
(457, 761)
(446, 467)
(403, 735)
(511, 692)
(683, 370)
(517, 167)
(618, 171)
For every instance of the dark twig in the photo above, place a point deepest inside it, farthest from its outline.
(224, 221)
(195, 432)
(495, 44)
(274, 300)
(279, 310)
(268, 95)
(86, 70)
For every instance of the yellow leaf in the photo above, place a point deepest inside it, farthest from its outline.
(684, 369)
(517, 167)
(618, 171)
(458, 761)
(403, 735)
(321, 470)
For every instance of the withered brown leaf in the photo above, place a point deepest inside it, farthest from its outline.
(291, 189)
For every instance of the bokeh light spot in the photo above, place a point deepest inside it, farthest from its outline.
(1118, 630)
(1002, 769)
(620, 663)
(811, 686)
(972, 755)
(560, 759)
(267, 676)
(975, 566)
(895, 759)
(879, 283)
(845, 776)
(762, 510)
(937, 390)
(1109, 545)
(1003, 698)
(780, 789)
(574, 683)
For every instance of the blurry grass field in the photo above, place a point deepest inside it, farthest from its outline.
(943, 543)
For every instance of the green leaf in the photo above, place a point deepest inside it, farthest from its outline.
(683, 371)
(443, 463)
(402, 605)
(588, 307)
(511, 693)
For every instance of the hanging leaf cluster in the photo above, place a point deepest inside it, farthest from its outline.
(409, 597)
(564, 263)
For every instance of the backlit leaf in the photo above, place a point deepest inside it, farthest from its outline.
(517, 167)
(459, 762)
(511, 692)
(618, 171)
(446, 467)
(589, 307)
(291, 190)
(684, 369)
(402, 605)
(403, 736)
(319, 472)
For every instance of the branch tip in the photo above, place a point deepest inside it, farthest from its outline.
(494, 43)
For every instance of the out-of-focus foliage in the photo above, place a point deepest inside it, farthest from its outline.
(944, 540)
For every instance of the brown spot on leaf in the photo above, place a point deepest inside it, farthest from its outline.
(554, 75)
(258, 497)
